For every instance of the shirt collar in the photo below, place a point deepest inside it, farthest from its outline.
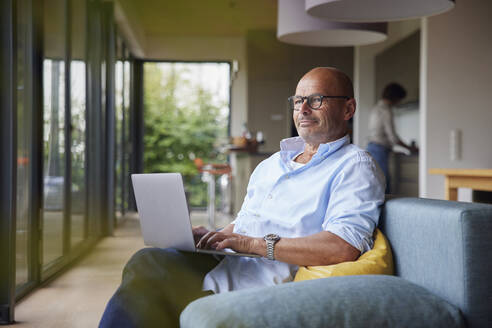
(295, 145)
(382, 103)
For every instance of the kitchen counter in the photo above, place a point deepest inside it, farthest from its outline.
(404, 170)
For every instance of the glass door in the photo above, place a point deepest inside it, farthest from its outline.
(24, 147)
(119, 137)
(122, 130)
(53, 130)
(126, 130)
(78, 110)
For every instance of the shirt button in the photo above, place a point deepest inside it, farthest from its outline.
(269, 196)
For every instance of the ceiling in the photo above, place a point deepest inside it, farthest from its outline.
(203, 17)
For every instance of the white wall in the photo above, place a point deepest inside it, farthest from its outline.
(456, 86)
(209, 49)
(364, 75)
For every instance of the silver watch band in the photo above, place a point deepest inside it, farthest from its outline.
(271, 239)
(270, 244)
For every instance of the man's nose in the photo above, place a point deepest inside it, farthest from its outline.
(305, 109)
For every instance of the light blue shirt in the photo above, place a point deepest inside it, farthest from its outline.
(339, 190)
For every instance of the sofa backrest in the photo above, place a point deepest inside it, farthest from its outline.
(445, 247)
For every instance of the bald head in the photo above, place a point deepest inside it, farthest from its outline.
(327, 122)
(334, 81)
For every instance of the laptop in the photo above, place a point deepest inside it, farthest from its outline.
(164, 217)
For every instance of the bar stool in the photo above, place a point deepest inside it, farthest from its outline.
(209, 172)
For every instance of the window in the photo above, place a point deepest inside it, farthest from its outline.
(54, 128)
(78, 109)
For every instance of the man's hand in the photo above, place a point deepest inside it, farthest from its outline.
(199, 232)
(239, 243)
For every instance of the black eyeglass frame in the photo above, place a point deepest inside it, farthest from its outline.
(308, 98)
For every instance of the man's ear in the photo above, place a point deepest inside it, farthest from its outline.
(350, 109)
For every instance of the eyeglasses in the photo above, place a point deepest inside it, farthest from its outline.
(314, 101)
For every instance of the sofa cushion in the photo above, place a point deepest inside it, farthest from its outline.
(349, 301)
(378, 260)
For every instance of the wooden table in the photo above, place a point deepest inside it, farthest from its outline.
(476, 179)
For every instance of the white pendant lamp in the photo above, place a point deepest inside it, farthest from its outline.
(376, 10)
(295, 26)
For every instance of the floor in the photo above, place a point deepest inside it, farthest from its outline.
(77, 298)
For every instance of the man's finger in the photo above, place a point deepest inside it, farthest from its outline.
(230, 242)
(238, 243)
(204, 239)
(198, 233)
(216, 238)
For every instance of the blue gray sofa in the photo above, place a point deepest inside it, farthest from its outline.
(442, 252)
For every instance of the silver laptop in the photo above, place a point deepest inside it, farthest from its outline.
(164, 216)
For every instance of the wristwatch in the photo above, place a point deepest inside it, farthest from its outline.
(271, 239)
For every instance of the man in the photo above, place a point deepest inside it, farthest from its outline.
(382, 134)
(316, 202)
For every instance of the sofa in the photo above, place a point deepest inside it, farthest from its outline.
(442, 252)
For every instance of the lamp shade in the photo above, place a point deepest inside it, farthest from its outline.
(295, 26)
(375, 10)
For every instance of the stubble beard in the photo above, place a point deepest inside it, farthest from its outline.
(319, 137)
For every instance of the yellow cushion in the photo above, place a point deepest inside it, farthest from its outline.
(379, 260)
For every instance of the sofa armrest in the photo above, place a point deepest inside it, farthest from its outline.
(350, 301)
(444, 247)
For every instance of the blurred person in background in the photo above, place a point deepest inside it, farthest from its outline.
(382, 134)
